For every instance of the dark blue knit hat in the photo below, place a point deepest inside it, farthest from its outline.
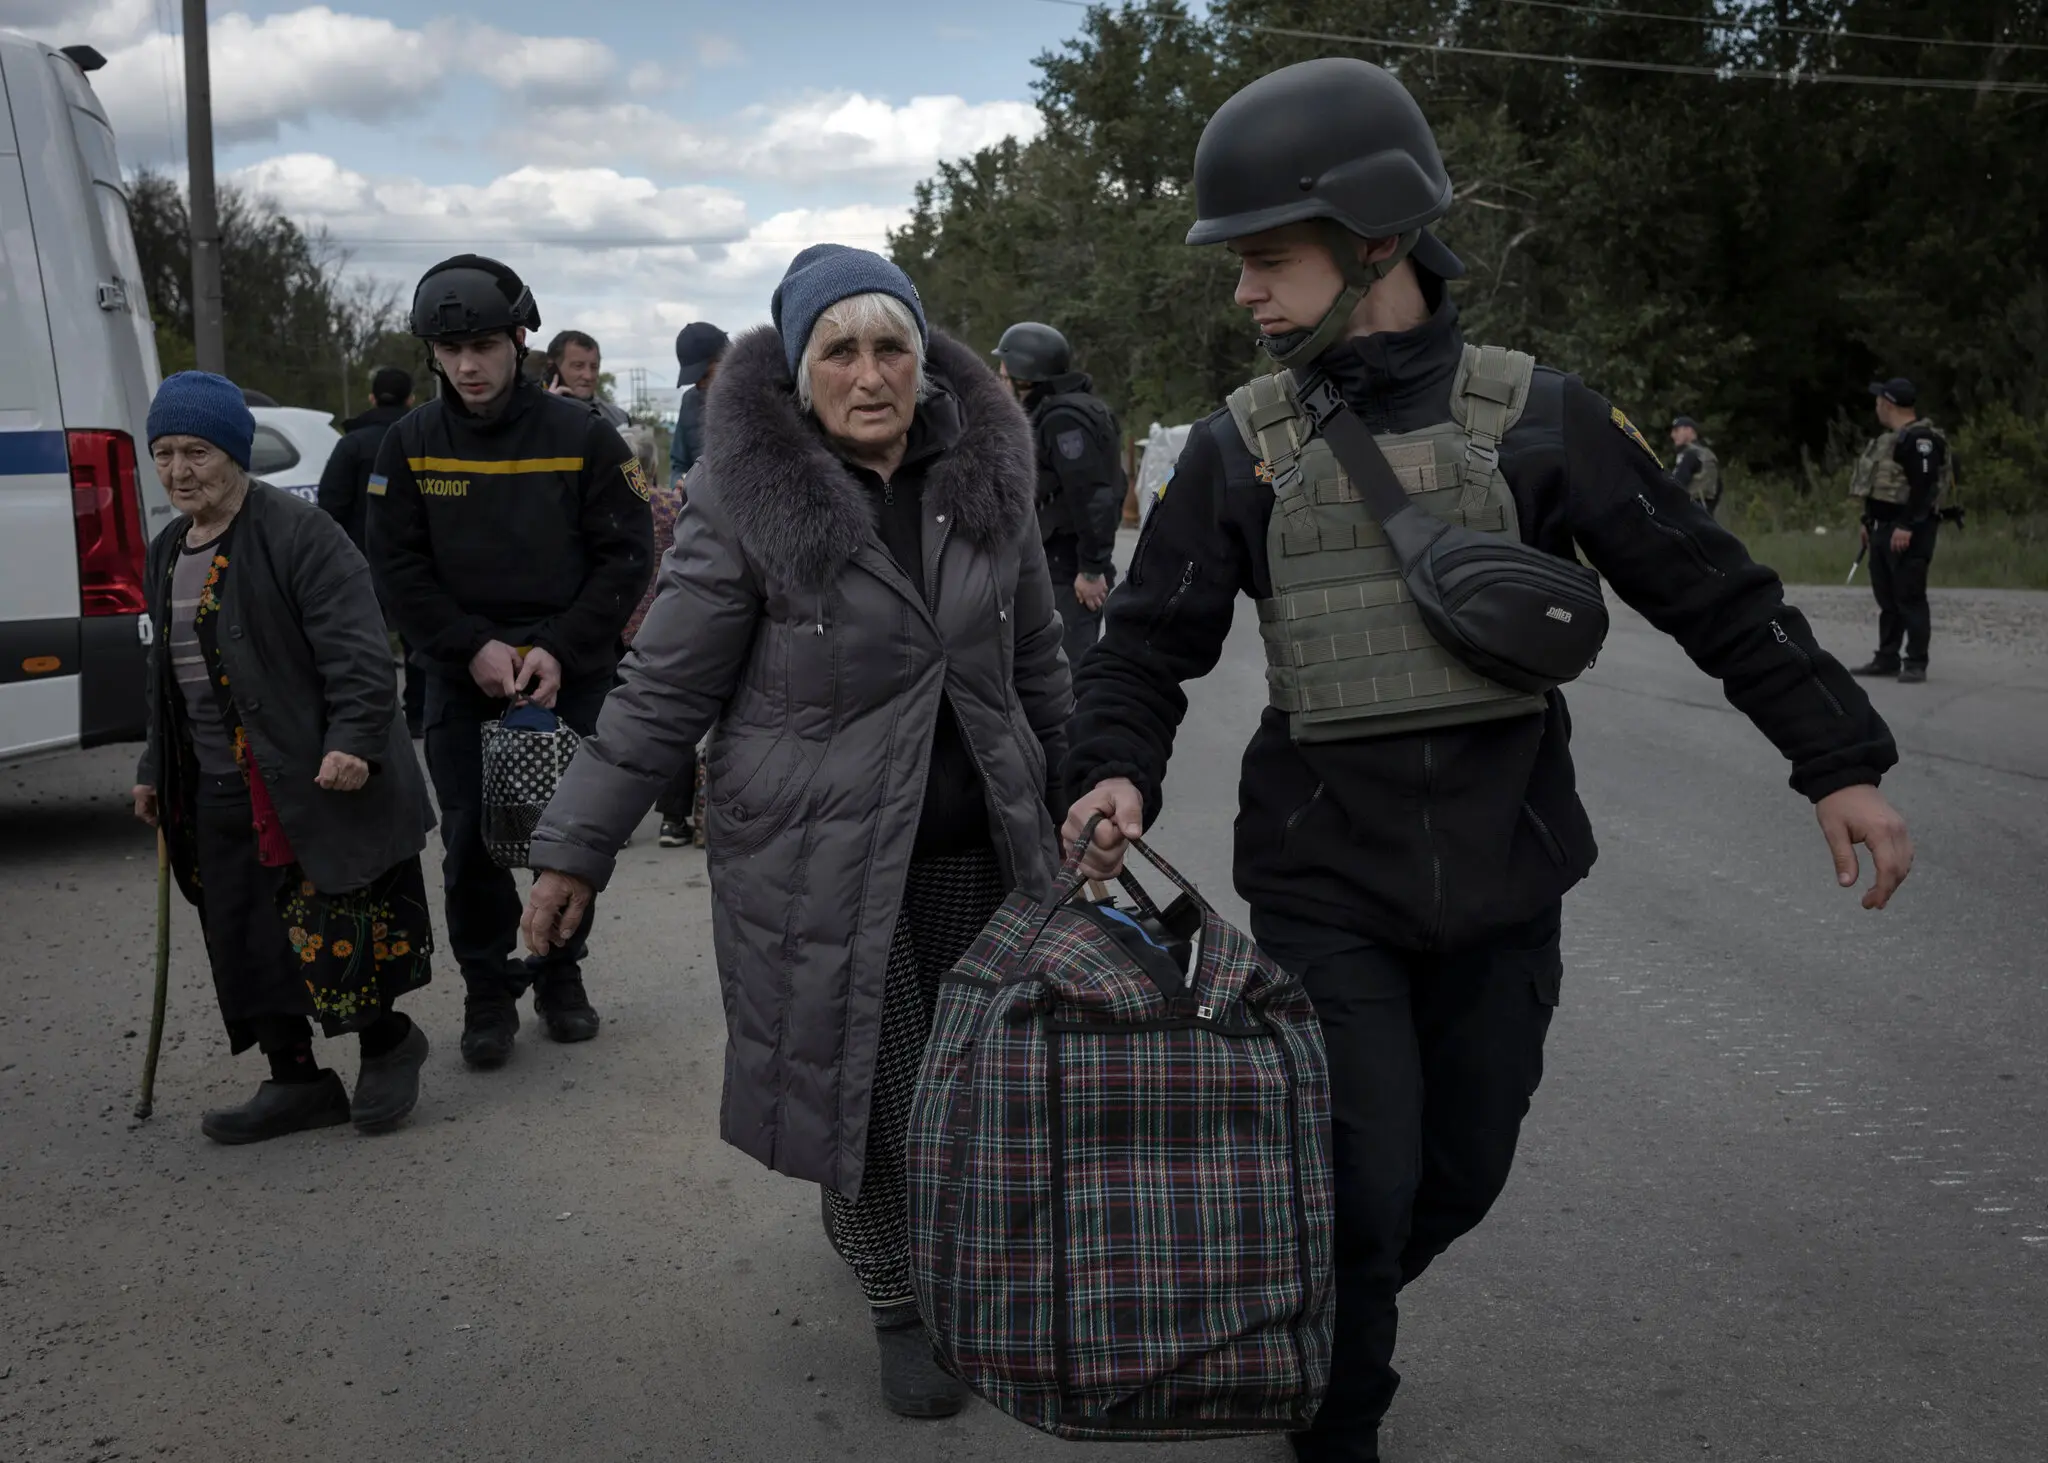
(820, 278)
(201, 404)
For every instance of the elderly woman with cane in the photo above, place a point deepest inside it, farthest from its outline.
(856, 601)
(279, 770)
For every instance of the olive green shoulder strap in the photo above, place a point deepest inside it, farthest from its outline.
(1271, 423)
(1487, 397)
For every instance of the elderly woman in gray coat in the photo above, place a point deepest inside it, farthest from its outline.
(280, 772)
(857, 604)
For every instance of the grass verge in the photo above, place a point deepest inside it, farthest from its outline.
(1986, 553)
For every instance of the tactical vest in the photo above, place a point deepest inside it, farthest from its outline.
(1705, 486)
(1879, 477)
(1347, 656)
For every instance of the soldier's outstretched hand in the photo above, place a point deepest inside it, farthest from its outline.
(1860, 814)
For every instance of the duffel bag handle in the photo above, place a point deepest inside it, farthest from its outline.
(1071, 881)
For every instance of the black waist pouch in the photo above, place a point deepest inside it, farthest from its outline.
(1516, 615)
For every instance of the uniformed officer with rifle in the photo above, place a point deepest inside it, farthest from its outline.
(1901, 479)
(1407, 826)
(1080, 474)
(510, 534)
(1695, 468)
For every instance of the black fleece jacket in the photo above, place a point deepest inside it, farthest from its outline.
(1443, 840)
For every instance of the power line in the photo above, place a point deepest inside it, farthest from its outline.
(1664, 68)
(1728, 23)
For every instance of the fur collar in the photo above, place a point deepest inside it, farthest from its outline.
(801, 513)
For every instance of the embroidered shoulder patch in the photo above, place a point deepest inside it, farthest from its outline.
(636, 478)
(378, 484)
(1071, 444)
(1628, 429)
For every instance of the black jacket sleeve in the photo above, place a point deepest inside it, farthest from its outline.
(340, 495)
(338, 613)
(1166, 624)
(1693, 580)
(1086, 469)
(435, 626)
(618, 549)
(1920, 454)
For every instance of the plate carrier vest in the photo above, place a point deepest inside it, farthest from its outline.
(1879, 477)
(1347, 656)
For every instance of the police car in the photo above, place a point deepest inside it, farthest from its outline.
(78, 503)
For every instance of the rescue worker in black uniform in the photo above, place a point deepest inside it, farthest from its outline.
(509, 530)
(1405, 849)
(1901, 478)
(1080, 474)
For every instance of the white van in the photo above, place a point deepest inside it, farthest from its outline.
(78, 366)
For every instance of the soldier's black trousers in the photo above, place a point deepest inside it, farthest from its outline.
(1082, 627)
(1899, 581)
(1433, 1060)
(483, 901)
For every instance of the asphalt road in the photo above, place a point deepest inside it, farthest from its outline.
(1784, 1194)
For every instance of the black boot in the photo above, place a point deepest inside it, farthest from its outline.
(488, 1024)
(913, 1382)
(1877, 665)
(1913, 673)
(279, 1108)
(565, 1008)
(388, 1086)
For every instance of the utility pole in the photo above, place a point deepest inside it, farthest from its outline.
(207, 341)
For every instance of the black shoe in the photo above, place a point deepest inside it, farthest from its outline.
(675, 832)
(488, 1024)
(565, 1010)
(389, 1086)
(1876, 666)
(913, 1382)
(1912, 675)
(279, 1108)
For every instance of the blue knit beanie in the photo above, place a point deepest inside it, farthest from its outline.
(201, 404)
(820, 278)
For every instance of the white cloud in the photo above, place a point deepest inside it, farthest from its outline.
(715, 52)
(287, 69)
(835, 135)
(100, 23)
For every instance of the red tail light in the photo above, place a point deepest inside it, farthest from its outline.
(107, 512)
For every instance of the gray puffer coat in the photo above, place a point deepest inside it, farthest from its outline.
(781, 618)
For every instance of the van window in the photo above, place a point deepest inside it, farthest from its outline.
(271, 452)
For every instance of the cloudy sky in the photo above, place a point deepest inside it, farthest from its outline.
(641, 164)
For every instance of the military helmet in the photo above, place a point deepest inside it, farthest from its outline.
(471, 295)
(1033, 352)
(1337, 138)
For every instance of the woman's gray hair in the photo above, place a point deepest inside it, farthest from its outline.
(856, 315)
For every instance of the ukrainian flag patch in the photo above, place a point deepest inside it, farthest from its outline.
(378, 483)
(1628, 429)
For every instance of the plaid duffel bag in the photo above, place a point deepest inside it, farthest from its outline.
(1120, 1176)
(525, 751)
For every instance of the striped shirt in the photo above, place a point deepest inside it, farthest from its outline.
(188, 664)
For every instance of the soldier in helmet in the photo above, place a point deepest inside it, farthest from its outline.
(1407, 827)
(510, 534)
(1901, 479)
(1695, 467)
(1080, 474)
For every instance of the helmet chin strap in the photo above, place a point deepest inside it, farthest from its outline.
(1300, 348)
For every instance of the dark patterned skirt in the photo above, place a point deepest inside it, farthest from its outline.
(280, 947)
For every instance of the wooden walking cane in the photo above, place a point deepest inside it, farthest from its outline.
(146, 1104)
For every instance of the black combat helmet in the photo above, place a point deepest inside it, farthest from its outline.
(471, 295)
(1338, 140)
(1033, 352)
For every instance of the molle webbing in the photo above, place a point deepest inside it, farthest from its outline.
(1347, 654)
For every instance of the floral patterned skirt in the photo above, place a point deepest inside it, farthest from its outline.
(359, 952)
